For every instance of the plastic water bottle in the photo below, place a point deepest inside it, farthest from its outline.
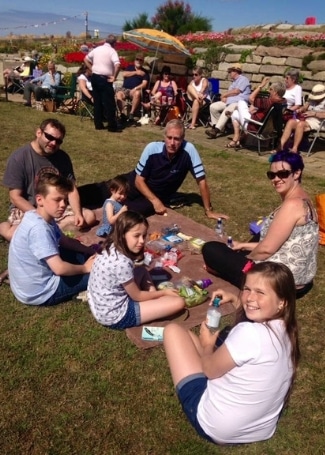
(229, 242)
(213, 316)
(204, 283)
(219, 227)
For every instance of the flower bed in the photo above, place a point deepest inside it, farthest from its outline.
(269, 38)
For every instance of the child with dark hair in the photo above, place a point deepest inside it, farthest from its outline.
(121, 295)
(235, 393)
(45, 266)
(113, 208)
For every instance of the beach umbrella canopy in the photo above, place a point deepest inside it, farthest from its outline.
(155, 40)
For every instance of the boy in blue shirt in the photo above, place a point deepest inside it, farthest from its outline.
(45, 266)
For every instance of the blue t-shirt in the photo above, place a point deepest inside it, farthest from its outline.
(163, 175)
(136, 80)
(31, 279)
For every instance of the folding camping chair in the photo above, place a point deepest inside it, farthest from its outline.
(84, 109)
(15, 83)
(269, 130)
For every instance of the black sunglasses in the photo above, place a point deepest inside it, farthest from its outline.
(284, 174)
(51, 138)
(195, 74)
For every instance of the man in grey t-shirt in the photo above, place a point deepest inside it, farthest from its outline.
(23, 169)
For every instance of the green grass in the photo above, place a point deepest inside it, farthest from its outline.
(70, 387)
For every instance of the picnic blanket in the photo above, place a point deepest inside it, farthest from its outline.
(190, 265)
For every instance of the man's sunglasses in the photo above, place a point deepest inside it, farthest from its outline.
(284, 174)
(51, 138)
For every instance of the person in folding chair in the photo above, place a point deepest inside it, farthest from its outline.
(256, 111)
(197, 95)
(86, 101)
(163, 95)
(309, 118)
(48, 83)
(220, 111)
(84, 84)
(15, 77)
(136, 80)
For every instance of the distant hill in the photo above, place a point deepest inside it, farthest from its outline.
(13, 22)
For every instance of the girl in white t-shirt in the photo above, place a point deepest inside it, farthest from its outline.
(121, 295)
(235, 393)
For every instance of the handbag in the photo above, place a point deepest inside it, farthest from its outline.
(320, 208)
(173, 113)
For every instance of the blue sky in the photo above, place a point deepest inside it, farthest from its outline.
(224, 13)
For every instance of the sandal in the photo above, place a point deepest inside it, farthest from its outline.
(191, 127)
(233, 145)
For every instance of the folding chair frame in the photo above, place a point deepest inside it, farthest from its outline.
(84, 110)
(316, 135)
(267, 131)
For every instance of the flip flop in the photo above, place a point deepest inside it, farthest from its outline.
(191, 127)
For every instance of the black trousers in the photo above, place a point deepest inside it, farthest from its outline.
(228, 264)
(104, 97)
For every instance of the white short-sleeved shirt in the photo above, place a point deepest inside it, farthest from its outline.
(103, 59)
(243, 405)
(88, 82)
(107, 297)
(293, 96)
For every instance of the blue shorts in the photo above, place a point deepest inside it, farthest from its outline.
(131, 318)
(189, 391)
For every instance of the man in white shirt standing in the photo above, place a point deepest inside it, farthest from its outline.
(105, 65)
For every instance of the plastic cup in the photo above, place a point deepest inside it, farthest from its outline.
(170, 100)
(164, 99)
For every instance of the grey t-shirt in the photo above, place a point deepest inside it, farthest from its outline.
(24, 166)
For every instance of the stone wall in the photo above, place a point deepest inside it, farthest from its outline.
(272, 62)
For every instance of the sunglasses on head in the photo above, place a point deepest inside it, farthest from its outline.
(284, 174)
(51, 138)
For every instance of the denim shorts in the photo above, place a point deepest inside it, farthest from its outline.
(131, 318)
(189, 391)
